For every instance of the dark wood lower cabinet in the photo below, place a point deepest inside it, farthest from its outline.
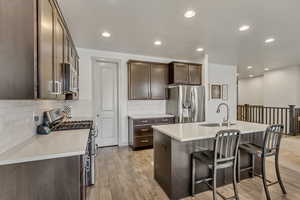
(141, 132)
(54, 179)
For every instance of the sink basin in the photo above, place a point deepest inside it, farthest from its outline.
(215, 124)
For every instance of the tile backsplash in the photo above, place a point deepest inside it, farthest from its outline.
(146, 107)
(16, 118)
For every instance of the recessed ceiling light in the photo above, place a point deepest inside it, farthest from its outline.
(106, 34)
(244, 28)
(249, 67)
(269, 40)
(267, 69)
(251, 76)
(190, 14)
(200, 49)
(157, 42)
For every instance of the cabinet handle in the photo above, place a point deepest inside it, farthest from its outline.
(144, 121)
(144, 129)
(144, 141)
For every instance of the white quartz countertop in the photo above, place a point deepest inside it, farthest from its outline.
(149, 116)
(194, 131)
(41, 147)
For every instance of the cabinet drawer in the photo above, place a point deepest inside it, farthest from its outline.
(142, 121)
(143, 131)
(143, 141)
(164, 121)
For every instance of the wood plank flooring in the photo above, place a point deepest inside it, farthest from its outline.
(123, 174)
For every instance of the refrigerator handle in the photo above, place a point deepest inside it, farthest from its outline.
(193, 105)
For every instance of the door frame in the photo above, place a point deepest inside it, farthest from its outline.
(119, 106)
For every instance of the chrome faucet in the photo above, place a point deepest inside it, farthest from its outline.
(227, 112)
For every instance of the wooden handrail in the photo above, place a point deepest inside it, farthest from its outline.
(288, 116)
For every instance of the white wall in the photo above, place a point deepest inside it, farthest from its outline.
(251, 91)
(222, 74)
(276, 88)
(126, 107)
(281, 87)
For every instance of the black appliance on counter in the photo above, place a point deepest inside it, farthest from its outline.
(56, 121)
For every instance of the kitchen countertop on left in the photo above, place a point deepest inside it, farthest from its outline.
(42, 147)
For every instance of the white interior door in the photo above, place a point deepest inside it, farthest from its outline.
(106, 103)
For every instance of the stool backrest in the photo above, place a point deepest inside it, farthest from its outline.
(226, 145)
(272, 138)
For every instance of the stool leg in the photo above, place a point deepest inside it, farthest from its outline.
(253, 165)
(239, 166)
(263, 164)
(214, 184)
(278, 173)
(234, 181)
(193, 175)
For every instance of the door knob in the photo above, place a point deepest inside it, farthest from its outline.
(98, 115)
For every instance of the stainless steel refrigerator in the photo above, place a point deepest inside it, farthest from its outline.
(186, 103)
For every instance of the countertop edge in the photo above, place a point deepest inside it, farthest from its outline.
(47, 155)
(40, 158)
(157, 128)
(150, 116)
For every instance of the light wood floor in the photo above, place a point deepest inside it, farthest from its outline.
(123, 174)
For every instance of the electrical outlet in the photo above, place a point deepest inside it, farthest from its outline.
(36, 119)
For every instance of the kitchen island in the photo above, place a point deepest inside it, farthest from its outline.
(173, 145)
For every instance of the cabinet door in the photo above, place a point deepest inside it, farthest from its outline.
(181, 73)
(195, 73)
(58, 53)
(66, 48)
(139, 81)
(46, 78)
(159, 81)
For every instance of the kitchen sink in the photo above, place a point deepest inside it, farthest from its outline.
(215, 124)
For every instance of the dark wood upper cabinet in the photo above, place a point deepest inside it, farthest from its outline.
(17, 49)
(58, 55)
(195, 74)
(139, 80)
(159, 81)
(179, 73)
(185, 73)
(46, 73)
(34, 40)
(147, 80)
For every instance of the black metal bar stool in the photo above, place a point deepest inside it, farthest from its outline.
(271, 147)
(223, 156)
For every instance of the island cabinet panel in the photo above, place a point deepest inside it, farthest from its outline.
(185, 73)
(147, 80)
(141, 132)
(34, 37)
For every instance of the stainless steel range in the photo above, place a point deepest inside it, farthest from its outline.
(55, 119)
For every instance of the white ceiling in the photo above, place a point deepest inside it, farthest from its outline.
(135, 24)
